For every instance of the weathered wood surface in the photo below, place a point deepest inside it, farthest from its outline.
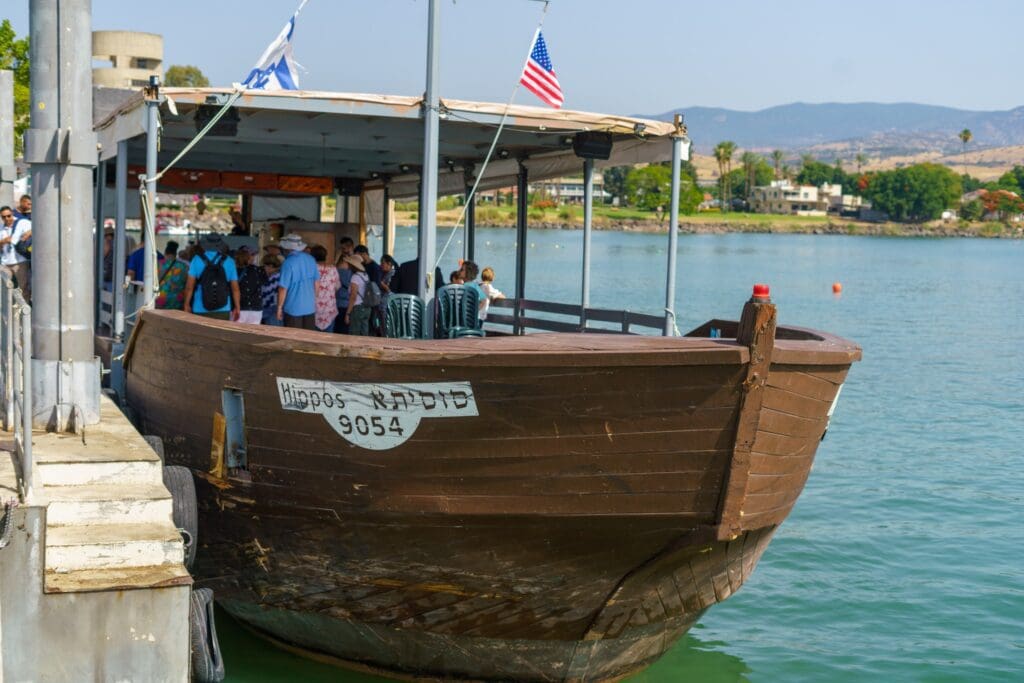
(756, 330)
(569, 531)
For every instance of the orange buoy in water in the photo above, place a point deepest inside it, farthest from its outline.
(837, 287)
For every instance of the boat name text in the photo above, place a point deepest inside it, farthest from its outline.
(376, 416)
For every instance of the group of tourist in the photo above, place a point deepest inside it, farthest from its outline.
(16, 244)
(293, 284)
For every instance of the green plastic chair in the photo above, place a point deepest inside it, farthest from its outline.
(404, 317)
(458, 312)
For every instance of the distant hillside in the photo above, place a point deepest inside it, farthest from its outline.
(877, 129)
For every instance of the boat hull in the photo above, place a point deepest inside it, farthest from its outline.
(563, 518)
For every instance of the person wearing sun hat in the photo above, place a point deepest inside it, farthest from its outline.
(296, 290)
(357, 314)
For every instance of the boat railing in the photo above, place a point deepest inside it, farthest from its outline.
(549, 316)
(16, 339)
(131, 293)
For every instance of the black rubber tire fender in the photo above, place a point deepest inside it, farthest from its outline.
(207, 664)
(179, 482)
(157, 444)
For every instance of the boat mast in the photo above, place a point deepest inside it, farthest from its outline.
(428, 176)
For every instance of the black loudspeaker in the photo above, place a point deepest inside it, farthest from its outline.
(349, 187)
(592, 145)
(226, 126)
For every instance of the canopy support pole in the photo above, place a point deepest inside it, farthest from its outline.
(673, 237)
(521, 228)
(387, 233)
(149, 277)
(120, 239)
(588, 220)
(469, 247)
(428, 178)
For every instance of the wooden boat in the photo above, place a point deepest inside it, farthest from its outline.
(547, 507)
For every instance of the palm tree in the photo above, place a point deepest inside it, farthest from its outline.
(728, 149)
(861, 160)
(965, 137)
(777, 161)
(719, 153)
(750, 160)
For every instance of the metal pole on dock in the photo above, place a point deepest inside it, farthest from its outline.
(61, 147)
(7, 170)
(673, 228)
(120, 238)
(149, 278)
(101, 181)
(588, 221)
(428, 177)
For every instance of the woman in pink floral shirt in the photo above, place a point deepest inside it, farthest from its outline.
(326, 290)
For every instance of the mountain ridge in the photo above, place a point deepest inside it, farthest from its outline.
(871, 127)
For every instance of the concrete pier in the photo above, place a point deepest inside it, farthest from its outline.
(92, 581)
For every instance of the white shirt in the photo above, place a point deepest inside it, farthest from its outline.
(490, 294)
(8, 256)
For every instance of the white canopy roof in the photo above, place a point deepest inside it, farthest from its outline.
(374, 139)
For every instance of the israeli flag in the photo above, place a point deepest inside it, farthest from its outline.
(276, 68)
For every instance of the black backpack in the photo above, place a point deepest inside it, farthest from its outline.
(22, 247)
(214, 282)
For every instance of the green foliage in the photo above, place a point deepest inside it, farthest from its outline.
(185, 76)
(486, 214)
(650, 188)
(1012, 180)
(14, 56)
(723, 156)
(970, 183)
(449, 202)
(817, 173)
(755, 168)
(915, 193)
(615, 181)
(973, 210)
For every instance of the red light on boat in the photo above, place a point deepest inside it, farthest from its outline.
(761, 291)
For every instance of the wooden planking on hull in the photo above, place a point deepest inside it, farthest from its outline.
(565, 532)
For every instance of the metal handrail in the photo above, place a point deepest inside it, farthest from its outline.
(16, 324)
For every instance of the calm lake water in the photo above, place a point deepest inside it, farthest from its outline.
(904, 557)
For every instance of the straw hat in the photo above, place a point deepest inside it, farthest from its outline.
(355, 262)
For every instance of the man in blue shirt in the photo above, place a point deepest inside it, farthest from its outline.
(215, 252)
(296, 290)
(135, 268)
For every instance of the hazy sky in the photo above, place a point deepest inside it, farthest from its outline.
(624, 56)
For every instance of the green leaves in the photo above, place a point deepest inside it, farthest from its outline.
(185, 76)
(915, 193)
(650, 188)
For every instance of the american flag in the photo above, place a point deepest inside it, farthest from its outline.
(539, 76)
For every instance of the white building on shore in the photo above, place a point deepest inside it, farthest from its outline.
(783, 197)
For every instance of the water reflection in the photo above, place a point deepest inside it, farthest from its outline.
(695, 660)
